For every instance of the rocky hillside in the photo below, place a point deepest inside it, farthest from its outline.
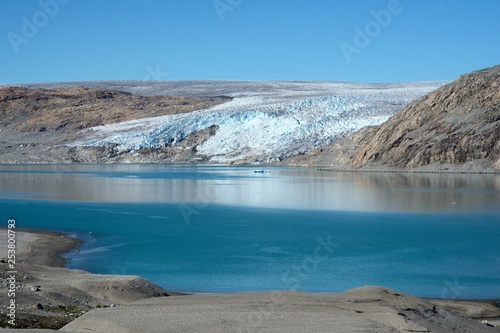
(39, 110)
(36, 123)
(454, 128)
(150, 122)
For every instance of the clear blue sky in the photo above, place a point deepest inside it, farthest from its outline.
(65, 40)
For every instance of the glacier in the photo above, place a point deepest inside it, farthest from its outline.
(265, 122)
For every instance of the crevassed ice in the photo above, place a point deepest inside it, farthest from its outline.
(261, 127)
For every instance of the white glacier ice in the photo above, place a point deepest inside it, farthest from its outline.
(265, 122)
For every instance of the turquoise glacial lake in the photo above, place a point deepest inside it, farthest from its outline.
(225, 229)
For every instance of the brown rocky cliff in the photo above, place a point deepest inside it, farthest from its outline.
(457, 123)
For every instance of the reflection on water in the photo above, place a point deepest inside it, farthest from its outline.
(279, 188)
(130, 223)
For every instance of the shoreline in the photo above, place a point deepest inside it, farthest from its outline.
(47, 294)
(277, 165)
(50, 250)
(50, 247)
(76, 299)
(484, 172)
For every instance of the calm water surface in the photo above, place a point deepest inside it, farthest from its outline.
(222, 229)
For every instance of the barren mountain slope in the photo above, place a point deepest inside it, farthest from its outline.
(35, 123)
(455, 128)
(38, 110)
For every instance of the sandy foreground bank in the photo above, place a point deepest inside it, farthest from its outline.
(79, 301)
(50, 296)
